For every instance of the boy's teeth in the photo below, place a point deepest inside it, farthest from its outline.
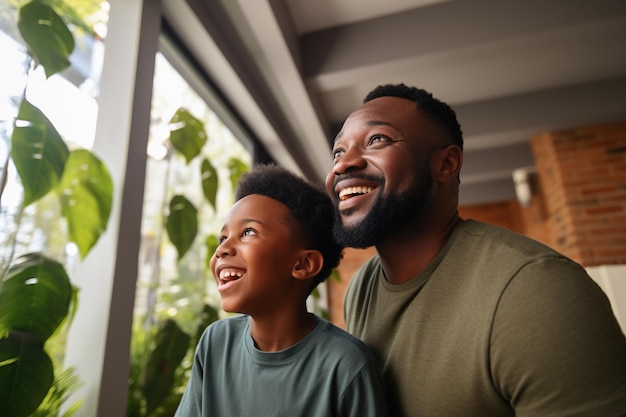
(230, 274)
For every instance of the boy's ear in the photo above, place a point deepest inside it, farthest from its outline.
(308, 265)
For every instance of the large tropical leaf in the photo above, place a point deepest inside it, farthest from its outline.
(38, 152)
(209, 182)
(86, 192)
(187, 134)
(35, 296)
(46, 34)
(26, 375)
(172, 344)
(182, 224)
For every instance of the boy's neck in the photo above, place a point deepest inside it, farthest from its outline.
(271, 334)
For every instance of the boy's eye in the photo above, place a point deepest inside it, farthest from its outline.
(248, 231)
(221, 239)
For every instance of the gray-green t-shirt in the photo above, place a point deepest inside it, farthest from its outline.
(497, 325)
(328, 373)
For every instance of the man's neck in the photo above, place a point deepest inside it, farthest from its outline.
(406, 256)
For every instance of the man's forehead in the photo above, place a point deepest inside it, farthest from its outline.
(381, 111)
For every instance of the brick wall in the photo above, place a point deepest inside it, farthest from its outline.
(582, 181)
(578, 207)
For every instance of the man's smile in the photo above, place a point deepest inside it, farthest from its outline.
(349, 192)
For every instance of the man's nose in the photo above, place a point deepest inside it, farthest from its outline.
(351, 160)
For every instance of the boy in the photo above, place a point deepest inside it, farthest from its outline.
(277, 359)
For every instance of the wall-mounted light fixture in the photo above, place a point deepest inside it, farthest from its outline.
(525, 180)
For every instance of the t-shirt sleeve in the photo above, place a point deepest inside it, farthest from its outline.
(364, 397)
(556, 347)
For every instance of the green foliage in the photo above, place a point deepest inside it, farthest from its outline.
(182, 224)
(35, 296)
(86, 193)
(211, 242)
(26, 374)
(47, 36)
(187, 134)
(38, 152)
(159, 371)
(237, 168)
(209, 177)
(35, 292)
(65, 384)
(158, 378)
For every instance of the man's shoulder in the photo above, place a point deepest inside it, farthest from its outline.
(496, 238)
(341, 343)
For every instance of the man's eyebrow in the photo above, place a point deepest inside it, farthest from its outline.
(369, 123)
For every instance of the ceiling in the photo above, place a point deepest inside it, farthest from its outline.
(293, 70)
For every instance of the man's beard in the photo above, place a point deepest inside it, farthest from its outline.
(389, 215)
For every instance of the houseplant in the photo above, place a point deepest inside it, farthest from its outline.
(36, 295)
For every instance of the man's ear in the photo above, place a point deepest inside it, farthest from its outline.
(309, 264)
(448, 163)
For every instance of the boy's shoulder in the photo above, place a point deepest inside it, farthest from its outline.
(227, 326)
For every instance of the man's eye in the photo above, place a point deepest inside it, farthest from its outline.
(337, 153)
(377, 138)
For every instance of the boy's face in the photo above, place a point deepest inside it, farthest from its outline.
(253, 262)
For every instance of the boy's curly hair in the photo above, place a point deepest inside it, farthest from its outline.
(310, 207)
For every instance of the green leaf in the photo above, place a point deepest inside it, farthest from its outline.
(172, 344)
(38, 152)
(49, 39)
(236, 168)
(211, 244)
(187, 134)
(86, 192)
(35, 296)
(26, 375)
(182, 224)
(65, 384)
(209, 182)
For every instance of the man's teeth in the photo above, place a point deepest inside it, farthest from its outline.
(351, 191)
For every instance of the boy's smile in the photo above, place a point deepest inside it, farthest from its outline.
(227, 276)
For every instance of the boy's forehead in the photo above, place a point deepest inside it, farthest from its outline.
(258, 206)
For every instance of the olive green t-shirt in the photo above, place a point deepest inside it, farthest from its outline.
(497, 325)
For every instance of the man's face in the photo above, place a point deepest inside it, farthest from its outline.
(381, 179)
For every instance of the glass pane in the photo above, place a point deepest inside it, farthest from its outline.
(171, 287)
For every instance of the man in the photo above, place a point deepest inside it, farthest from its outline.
(465, 318)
